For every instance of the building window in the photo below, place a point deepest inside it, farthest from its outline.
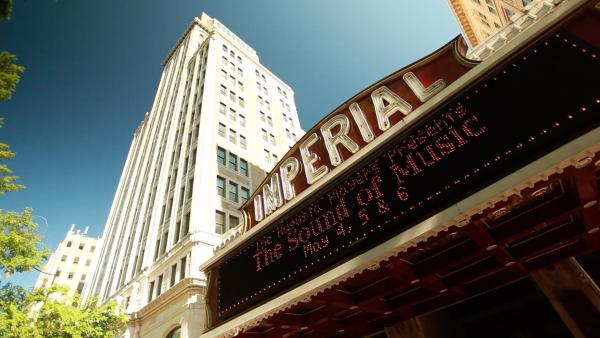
(92, 249)
(263, 133)
(232, 80)
(526, 2)
(240, 72)
(222, 108)
(287, 133)
(233, 192)
(233, 159)
(63, 258)
(182, 268)
(159, 285)
(70, 275)
(262, 116)
(232, 136)
(244, 167)
(244, 195)
(275, 158)
(88, 262)
(232, 96)
(268, 105)
(223, 90)
(241, 86)
(69, 243)
(232, 54)
(232, 114)
(508, 12)
(243, 141)
(222, 130)
(272, 138)
(219, 222)
(242, 120)
(224, 60)
(150, 291)
(239, 59)
(267, 155)
(223, 74)
(224, 48)
(270, 121)
(176, 333)
(81, 246)
(76, 260)
(173, 275)
(233, 221)
(220, 186)
(220, 156)
(241, 101)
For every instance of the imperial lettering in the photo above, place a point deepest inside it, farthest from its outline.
(334, 137)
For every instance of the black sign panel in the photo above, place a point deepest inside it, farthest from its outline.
(539, 100)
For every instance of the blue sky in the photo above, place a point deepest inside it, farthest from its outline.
(93, 67)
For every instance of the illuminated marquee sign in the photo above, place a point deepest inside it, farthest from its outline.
(351, 127)
(530, 105)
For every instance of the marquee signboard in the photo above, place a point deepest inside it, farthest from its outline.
(538, 100)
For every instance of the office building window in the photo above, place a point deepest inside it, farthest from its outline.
(239, 59)
(219, 222)
(243, 142)
(173, 275)
(222, 130)
(222, 108)
(150, 291)
(244, 167)
(242, 120)
(233, 159)
(244, 194)
(224, 48)
(232, 136)
(275, 158)
(233, 192)
(267, 155)
(81, 246)
(241, 101)
(224, 60)
(183, 266)
(233, 221)
(232, 114)
(159, 285)
(241, 86)
(220, 186)
(69, 243)
(220, 156)
(270, 121)
(63, 258)
(75, 260)
(240, 72)
(232, 96)
(223, 74)
(272, 139)
(263, 133)
(262, 116)
(223, 90)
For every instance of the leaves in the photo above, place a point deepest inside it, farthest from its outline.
(20, 243)
(50, 313)
(9, 73)
(6, 179)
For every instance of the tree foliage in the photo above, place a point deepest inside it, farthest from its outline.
(20, 242)
(50, 312)
(5, 9)
(10, 74)
(6, 177)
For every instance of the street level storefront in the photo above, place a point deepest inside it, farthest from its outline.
(447, 197)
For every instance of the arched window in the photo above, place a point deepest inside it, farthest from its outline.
(175, 333)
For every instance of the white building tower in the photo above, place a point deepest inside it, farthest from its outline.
(71, 263)
(218, 122)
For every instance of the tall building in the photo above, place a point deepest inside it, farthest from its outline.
(479, 19)
(71, 263)
(219, 121)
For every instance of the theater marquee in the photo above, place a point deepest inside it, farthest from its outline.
(531, 104)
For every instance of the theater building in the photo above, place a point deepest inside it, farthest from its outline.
(457, 197)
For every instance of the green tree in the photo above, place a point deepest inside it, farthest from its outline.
(49, 313)
(5, 9)
(20, 242)
(10, 74)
